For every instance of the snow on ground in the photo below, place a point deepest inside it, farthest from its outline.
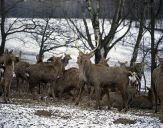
(70, 116)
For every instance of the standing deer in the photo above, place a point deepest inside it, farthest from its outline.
(102, 77)
(8, 58)
(45, 73)
(157, 86)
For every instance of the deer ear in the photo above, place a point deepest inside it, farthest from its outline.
(6, 51)
(107, 59)
(81, 53)
(119, 62)
(11, 51)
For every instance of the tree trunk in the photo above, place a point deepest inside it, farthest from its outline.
(153, 50)
(3, 34)
(139, 37)
(97, 56)
(3, 42)
(40, 55)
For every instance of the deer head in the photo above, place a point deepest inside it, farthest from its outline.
(66, 59)
(9, 57)
(104, 61)
(57, 62)
(82, 58)
(122, 64)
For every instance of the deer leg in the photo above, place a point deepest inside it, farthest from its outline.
(32, 89)
(125, 100)
(161, 107)
(8, 91)
(107, 92)
(4, 90)
(18, 85)
(61, 93)
(1, 90)
(90, 93)
(53, 89)
(98, 94)
(80, 92)
(39, 88)
(156, 99)
(74, 93)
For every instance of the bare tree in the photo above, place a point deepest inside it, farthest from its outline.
(141, 32)
(107, 40)
(8, 29)
(49, 35)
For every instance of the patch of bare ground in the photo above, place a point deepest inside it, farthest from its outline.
(144, 112)
(43, 113)
(124, 121)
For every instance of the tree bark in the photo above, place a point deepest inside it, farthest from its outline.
(139, 37)
(153, 50)
(3, 34)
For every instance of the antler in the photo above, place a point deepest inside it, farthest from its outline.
(77, 47)
(98, 42)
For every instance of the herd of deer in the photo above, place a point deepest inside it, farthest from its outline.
(119, 84)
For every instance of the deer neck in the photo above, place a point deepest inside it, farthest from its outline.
(65, 61)
(85, 70)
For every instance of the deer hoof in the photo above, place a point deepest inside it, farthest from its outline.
(109, 107)
(77, 103)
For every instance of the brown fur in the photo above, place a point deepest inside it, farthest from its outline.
(104, 77)
(137, 67)
(66, 59)
(69, 82)
(116, 100)
(104, 61)
(45, 73)
(157, 87)
(7, 59)
(20, 69)
(143, 101)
